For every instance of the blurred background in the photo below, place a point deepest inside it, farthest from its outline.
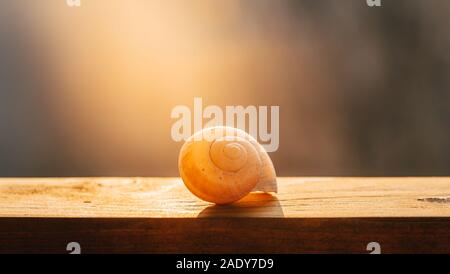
(88, 91)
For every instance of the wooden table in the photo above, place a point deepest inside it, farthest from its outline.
(159, 215)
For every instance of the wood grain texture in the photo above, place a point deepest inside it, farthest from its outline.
(167, 197)
(159, 215)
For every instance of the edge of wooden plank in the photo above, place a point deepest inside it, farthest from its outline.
(225, 235)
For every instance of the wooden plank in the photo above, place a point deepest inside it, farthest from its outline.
(167, 197)
(158, 215)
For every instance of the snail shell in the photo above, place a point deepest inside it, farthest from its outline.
(223, 164)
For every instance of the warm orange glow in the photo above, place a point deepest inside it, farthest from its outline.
(119, 67)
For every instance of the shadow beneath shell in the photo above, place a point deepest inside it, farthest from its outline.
(254, 205)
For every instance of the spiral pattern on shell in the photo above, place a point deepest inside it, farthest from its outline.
(223, 164)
